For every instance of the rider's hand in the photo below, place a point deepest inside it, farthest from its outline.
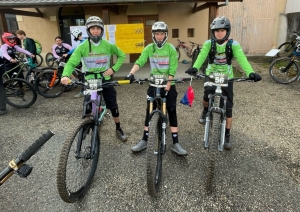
(129, 77)
(108, 72)
(191, 71)
(255, 76)
(13, 60)
(65, 80)
(65, 55)
(32, 56)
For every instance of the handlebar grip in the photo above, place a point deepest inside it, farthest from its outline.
(35, 146)
(122, 82)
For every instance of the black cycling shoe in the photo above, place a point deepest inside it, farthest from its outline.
(227, 143)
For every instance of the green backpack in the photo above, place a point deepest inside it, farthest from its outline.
(38, 46)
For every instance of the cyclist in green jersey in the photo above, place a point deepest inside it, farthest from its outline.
(95, 54)
(219, 61)
(163, 61)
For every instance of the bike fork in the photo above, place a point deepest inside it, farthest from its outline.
(206, 131)
(222, 135)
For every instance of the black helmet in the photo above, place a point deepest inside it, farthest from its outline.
(220, 22)
(159, 27)
(94, 21)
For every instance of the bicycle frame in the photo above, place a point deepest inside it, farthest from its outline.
(22, 63)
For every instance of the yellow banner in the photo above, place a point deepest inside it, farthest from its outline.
(128, 37)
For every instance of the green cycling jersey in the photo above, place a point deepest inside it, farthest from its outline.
(163, 61)
(95, 61)
(220, 62)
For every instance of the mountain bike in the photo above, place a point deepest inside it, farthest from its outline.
(18, 165)
(286, 48)
(286, 69)
(19, 93)
(191, 52)
(47, 83)
(214, 134)
(158, 121)
(23, 65)
(80, 151)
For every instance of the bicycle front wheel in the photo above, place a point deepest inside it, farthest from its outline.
(49, 58)
(19, 93)
(283, 70)
(154, 155)
(214, 138)
(38, 60)
(78, 161)
(48, 85)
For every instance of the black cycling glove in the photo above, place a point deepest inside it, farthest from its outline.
(191, 71)
(129, 77)
(255, 76)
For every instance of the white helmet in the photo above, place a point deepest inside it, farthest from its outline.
(76, 33)
(159, 27)
(94, 21)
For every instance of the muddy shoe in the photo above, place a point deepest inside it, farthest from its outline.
(139, 146)
(121, 135)
(178, 150)
(202, 118)
(227, 144)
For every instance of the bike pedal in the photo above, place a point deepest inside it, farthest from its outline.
(24, 170)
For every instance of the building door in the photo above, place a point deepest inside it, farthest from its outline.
(148, 21)
(70, 16)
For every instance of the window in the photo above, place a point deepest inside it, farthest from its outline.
(175, 33)
(190, 32)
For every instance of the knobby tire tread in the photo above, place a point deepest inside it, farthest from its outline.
(61, 178)
(154, 162)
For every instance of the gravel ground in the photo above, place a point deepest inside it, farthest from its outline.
(261, 173)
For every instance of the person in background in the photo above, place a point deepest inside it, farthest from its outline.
(60, 49)
(77, 33)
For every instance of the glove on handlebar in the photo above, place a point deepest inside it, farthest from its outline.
(191, 71)
(255, 76)
(129, 77)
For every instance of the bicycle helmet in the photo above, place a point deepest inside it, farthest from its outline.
(159, 27)
(94, 21)
(220, 22)
(6, 36)
(76, 33)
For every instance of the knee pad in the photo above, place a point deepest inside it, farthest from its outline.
(115, 112)
(229, 112)
(172, 117)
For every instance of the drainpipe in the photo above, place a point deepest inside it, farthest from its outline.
(225, 4)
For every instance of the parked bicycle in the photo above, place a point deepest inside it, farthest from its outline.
(18, 165)
(158, 121)
(48, 84)
(191, 52)
(80, 152)
(214, 134)
(50, 60)
(23, 65)
(287, 48)
(286, 69)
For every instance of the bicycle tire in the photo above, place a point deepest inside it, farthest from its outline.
(178, 53)
(19, 97)
(70, 159)
(47, 86)
(280, 74)
(214, 137)
(49, 58)
(38, 60)
(154, 155)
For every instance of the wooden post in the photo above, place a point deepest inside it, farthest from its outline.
(213, 12)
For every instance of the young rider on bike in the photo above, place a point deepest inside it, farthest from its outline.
(96, 54)
(163, 61)
(220, 31)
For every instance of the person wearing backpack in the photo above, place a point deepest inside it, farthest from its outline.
(29, 45)
(220, 50)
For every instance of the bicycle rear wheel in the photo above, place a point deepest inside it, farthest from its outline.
(78, 161)
(214, 137)
(38, 60)
(154, 155)
(47, 83)
(49, 59)
(19, 93)
(283, 70)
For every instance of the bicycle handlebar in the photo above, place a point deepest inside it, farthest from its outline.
(16, 164)
(237, 79)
